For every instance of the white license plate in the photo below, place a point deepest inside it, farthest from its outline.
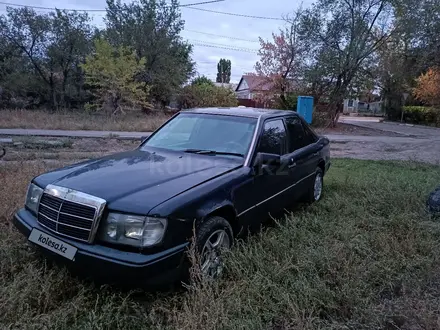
(53, 244)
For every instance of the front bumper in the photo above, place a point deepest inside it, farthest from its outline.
(109, 264)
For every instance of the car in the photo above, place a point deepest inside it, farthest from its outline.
(207, 173)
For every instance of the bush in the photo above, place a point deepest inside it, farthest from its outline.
(202, 81)
(206, 95)
(290, 103)
(320, 119)
(421, 115)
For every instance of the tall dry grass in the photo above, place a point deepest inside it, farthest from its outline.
(68, 120)
(365, 257)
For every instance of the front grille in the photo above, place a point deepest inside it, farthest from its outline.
(66, 217)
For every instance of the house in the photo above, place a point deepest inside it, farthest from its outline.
(251, 85)
(355, 106)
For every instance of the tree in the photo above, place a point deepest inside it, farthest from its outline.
(410, 52)
(49, 47)
(202, 80)
(111, 72)
(343, 34)
(152, 28)
(428, 87)
(71, 41)
(281, 63)
(224, 71)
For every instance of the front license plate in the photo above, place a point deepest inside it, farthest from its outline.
(53, 244)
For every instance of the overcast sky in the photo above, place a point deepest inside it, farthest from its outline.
(212, 23)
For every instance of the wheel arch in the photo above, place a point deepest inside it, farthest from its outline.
(228, 212)
(321, 165)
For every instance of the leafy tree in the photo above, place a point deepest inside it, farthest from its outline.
(224, 71)
(152, 28)
(49, 47)
(428, 87)
(28, 33)
(410, 52)
(281, 63)
(71, 41)
(343, 34)
(202, 80)
(111, 72)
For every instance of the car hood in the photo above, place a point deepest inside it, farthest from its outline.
(138, 180)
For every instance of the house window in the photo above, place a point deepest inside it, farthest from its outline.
(350, 103)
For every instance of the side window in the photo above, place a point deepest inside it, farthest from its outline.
(309, 135)
(297, 136)
(273, 138)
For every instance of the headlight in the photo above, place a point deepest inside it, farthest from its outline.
(135, 230)
(33, 197)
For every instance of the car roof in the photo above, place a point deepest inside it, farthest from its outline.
(242, 112)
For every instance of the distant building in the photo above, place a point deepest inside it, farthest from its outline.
(251, 85)
(355, 106)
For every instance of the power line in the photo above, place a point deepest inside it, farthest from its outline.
(188, 6)
(221, 36)
(223, 45)
(200, 3)
(228, 48)
(235, 14)
(99, 10)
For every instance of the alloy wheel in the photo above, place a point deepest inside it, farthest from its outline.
(211, 261)
(317, 187)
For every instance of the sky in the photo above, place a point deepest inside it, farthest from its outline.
(200, 27)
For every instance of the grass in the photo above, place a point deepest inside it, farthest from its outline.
(365, 257)
(38, 119)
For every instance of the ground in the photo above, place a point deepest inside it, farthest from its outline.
(361, 138)
(396, 142)
(37, 119)
(365, 257)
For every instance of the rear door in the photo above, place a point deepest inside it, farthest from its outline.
(303, 152)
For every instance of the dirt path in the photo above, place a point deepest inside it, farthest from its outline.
(396, 142)
(375, 141)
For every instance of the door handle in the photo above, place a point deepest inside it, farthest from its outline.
(292, 163)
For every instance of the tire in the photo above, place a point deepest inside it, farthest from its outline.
(207, 234)
(312, 194)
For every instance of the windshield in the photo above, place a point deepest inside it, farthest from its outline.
(204, 132)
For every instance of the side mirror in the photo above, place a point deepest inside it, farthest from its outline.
(267, 162)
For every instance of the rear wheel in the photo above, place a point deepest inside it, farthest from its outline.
(314, 193)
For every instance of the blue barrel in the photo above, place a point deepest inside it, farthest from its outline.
(305, 107)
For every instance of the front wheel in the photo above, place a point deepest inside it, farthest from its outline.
(213, 237)
(314, 193)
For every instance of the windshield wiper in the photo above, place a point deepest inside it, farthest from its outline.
(212, 152)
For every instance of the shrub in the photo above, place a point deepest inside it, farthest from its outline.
(428, 87)
(291, 102)
(202, 80)
(422, 115)
(320, 119)
(206, 95)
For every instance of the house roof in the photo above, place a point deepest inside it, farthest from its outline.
(255, 83)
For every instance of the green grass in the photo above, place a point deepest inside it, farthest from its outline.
(365, 257)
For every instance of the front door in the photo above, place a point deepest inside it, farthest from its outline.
(269, 188)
